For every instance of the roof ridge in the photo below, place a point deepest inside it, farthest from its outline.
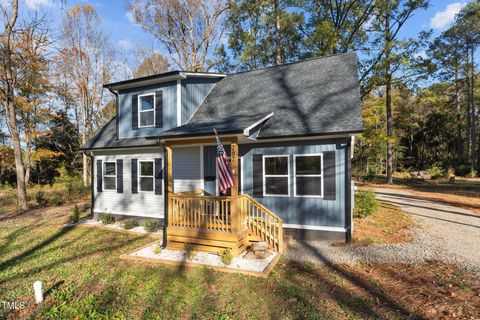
(293, 62)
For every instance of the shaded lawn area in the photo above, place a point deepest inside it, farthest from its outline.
(387, 225)
(84, 277)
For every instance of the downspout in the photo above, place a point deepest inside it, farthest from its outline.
(115, 93)
(348, 190)
(165, 199)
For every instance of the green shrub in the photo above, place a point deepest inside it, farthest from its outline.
(8, 198)
(371, 173)
(190, 253)
(130, 224)
(473, 173)
(158, 248)
(462, 170)
(75, 216)
(435, 171)
(56, 199)
(365, 203)
(226, 257)
(150, 225)
(5, 186)
(40, 198)
(107, 218)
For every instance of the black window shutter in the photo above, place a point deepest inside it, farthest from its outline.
(134, 176)
(119, 176)
(135, 112)
(257, 164)
(329, 165)
(158, 176)
(99, 175)
(159, 109)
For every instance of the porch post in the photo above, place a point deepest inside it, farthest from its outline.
(234, 207)
(168, 153)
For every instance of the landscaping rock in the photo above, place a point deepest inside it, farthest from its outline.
(259, 255)
(259, 247)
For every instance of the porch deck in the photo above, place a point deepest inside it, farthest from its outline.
(216, 223)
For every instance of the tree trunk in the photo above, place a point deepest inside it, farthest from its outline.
(458, 117)
(473, 134)
(278, 40)
(388, 95)
(467, 110)
(85, 160)
(17, 151)
(9, 95)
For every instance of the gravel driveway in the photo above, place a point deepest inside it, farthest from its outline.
(445, 233)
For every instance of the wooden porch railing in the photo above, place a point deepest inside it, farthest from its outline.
(200, 212)
(262, 222)
(210, 213)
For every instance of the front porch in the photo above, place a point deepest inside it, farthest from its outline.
(215, 223)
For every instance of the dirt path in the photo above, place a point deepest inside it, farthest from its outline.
(445, 233)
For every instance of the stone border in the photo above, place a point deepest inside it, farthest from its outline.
(186, 264)
(156, 234)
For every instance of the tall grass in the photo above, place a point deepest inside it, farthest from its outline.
(64, 189)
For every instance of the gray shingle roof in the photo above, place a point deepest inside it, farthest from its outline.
(106, 139)
(311, 97)
(316, 96)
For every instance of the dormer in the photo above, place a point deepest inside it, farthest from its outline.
(150, 105)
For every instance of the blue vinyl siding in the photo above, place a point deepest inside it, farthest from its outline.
(169, 110)
(295, 210)
(194, 91)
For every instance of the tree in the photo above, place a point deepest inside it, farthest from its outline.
(189, 30)
(21, 44)
(391, 56)
(467, 28)
(57, 146)
(338, 26)
(448, 63)
(83, 66)
(263, 33)
(152, 63)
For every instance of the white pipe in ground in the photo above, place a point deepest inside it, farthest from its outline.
(37, 287)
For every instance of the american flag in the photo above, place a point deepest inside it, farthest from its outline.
(225, 176)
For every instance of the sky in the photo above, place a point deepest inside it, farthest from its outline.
(119, 24)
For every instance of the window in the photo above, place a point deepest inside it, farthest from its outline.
(276, 177)
(146, 175)
(146, 110)
(308, 172)
(110, 175)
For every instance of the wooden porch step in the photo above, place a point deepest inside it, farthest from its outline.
(206, 234)
(208, 241)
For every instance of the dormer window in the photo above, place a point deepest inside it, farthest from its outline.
(146, 112)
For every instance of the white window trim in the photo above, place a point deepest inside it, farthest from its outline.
(265, 194)
(140, 176)
(307, 175)
(109, 176)
(149, 110)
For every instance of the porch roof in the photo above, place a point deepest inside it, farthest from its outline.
(228, 125)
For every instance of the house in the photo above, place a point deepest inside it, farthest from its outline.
(287, 129)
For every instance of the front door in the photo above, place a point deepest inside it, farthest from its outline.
(210, 169)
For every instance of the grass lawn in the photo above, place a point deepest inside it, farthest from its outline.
(387, 225)
(84, 279)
